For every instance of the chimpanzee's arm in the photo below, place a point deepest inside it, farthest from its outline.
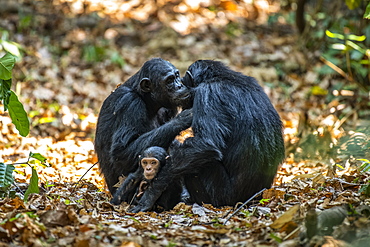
(126, 147)
(154, 191)
(197, 152)
(128, 188)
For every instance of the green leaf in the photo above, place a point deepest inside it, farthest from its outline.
(38, 156)
(341, 167)
(18, 115)
(352, 4)
(317, 90)
(356, 55)
(365, 160)
(11, 47)
(334, 35)
(365, 189)
(356, 37)
(365, 166)
(6, 175)
(34, 185)
(6, 65)
(276, 238)
(116, 58)
(356, 46)
(338, 46)
(367, 11)
(5, 92)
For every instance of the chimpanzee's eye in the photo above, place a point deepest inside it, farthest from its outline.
(170, 79)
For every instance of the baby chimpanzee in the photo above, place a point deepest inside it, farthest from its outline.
(151, 161)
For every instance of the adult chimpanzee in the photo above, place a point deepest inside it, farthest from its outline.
(137, 115)
(151, 161)
(237, 144)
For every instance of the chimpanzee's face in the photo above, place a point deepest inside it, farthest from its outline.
(164, 84)
(151, 167)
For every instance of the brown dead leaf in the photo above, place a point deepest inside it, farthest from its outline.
(9, 228)
(85, 228)
(289, 227)
(319, 179)
(36, 229)
(18, 203)
(285, 217)
(81, 242)
(54, 218)
(130, 244)
(273, 192)
(304, 176)
(72, 215)
(10, 204)
(217, 231)
(229, 5)
(183, 207)
(331, 242)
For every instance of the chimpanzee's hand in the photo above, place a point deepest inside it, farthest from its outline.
(120, 197)
(146, 202)
(185, 117)
(154, 191)
(127, 189)
(141, 207)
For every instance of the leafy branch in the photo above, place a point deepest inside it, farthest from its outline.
(9, 99)
(7, 178)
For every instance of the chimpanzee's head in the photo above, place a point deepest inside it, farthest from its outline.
(161, 80)
(202, 70)
(152, 160)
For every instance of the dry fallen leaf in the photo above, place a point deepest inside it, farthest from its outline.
(285, 217)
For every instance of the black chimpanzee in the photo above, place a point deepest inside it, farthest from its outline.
(139, 114)
(237, 144)
(151, 161)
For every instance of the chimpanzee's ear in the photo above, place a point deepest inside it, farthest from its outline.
(146, 85)
(188, 79)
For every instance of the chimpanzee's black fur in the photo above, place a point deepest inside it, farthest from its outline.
(137, 115)
(237, 144)
(128, 190)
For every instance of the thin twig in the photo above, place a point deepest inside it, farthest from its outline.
(19, 163)
(336, 68)
(292, 233)
(19, 189)
(245, 203)
(83, 177)
(342, 73)
(132, 199)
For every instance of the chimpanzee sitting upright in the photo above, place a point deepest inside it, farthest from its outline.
(137, 115)
(151, 161)
(237, 144)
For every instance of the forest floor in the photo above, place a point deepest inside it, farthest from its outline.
(74, 53)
